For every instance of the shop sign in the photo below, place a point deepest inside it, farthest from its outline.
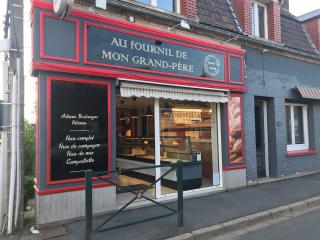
(114, 47)
(79, 139)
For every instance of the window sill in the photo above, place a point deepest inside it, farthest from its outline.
(301, 153)
(152, 8)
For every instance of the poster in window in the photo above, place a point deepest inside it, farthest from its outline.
(235, 130)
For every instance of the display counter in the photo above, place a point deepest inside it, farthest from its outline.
(139, 152)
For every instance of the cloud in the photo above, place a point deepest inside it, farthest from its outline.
(298, 7)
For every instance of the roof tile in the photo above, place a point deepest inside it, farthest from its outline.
(293, 34)
(217, 13)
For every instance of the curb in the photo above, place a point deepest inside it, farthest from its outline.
(247, 221)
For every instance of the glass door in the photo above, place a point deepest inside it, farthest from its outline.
(188, 132)
(135, 145)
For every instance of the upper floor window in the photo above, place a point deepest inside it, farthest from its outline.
(169, 5)
(297, 127)
(259, 20)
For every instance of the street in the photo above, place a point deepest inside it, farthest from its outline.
(305, 226)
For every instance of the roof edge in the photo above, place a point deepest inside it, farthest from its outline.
(309, 15)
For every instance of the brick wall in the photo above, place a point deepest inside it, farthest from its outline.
(276, 83)
(188, 8)
(243, 11)
(313, 27)
(274, 21)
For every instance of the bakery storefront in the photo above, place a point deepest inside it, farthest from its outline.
(114, 94)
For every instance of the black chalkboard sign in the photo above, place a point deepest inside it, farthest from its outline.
(79, 128)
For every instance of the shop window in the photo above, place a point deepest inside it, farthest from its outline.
(297, 127)
(235, 130)
(259, 20)
(169, 5)
(135, 142)
(186, 130)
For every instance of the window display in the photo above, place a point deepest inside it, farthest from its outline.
(186, 133)
(235, 130)
(186, 121)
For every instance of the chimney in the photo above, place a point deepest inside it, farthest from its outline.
(188, 8)
(284, 4)
(243, 11)
(311, 21)
(274, 21)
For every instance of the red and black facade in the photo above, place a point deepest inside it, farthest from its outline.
(79, 62)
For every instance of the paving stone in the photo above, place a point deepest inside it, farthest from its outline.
(280, 211)
(279, 219)
(258, 226)
(298, 206)
(260, 217)
(208, 232)
(240, 232)
(314, 201)
(236, 224)
(186, 236)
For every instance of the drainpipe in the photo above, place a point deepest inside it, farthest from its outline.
(4, 151)
(18, 143)
(13, 170)
(15, 173)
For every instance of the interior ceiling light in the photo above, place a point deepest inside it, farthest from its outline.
(122, 116)
(149, 112)
(135, 114)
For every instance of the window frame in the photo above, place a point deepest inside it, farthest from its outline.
(305, 145)
(255, 25)
(154, 3)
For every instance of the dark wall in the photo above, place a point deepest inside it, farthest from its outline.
(274, 78)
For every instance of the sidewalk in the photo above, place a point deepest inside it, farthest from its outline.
(204, 211)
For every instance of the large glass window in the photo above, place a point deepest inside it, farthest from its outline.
(297, 127)
(152, 131)
(135, 143)
(168, 5)
(186, 133)
(259, 20)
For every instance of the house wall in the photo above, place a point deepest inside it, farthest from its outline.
(274, 78)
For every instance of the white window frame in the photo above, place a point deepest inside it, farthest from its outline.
(176, 4)
(305, 145)
(255, 24)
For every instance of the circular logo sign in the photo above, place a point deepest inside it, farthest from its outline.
(211, 66)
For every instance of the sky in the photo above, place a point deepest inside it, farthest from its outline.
(297, 7)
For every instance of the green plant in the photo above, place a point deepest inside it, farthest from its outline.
(28, 189)
(29, 160)
(29, 149)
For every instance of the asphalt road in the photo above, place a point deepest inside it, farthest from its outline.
(303, 227)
